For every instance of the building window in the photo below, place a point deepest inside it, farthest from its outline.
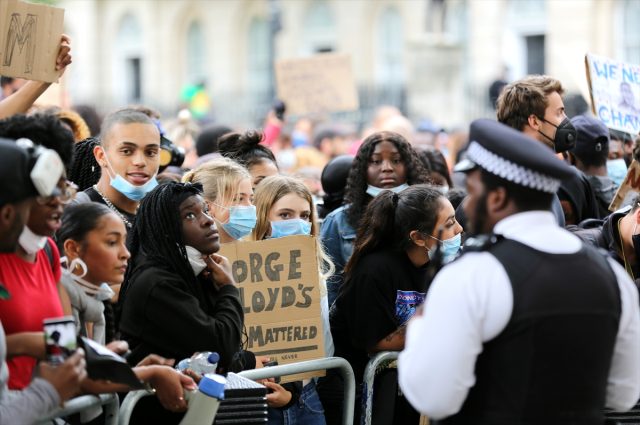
(390, 63)
(631, 31)
(319, 29)
(259, 71)
(196, 54)
(535, 54)
(129, 63)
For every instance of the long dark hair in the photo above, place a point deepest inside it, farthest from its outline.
(356, 192)
(157, 232)
(390, 217)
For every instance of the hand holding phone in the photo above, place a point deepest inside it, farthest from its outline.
(60, 339)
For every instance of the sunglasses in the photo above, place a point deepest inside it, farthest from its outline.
(66, 192)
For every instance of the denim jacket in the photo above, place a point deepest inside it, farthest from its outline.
(337, 236)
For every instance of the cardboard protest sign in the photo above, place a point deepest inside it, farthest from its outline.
(629, 188)
(280, 291)
(322, 83)
(29, 40)
(615, 92)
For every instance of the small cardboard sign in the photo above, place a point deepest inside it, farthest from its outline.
(629, 189)
(280, 292)
(29, 40)
(322, 83)
(615, 92)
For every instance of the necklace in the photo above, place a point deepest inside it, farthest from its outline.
(113, 207)
(627, 266)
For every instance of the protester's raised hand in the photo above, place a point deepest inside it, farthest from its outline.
(219, 270)
(279, 396)
(170, 386)
(66, 378)
(64, 53)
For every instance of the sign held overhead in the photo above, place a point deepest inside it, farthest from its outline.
(615, 92)
(29, 40)
(321, 83)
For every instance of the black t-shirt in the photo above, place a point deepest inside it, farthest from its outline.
(95, 197)
(382, 293)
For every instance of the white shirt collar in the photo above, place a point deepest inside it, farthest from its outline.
(539, 230)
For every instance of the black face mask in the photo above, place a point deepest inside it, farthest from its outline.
(566, 135)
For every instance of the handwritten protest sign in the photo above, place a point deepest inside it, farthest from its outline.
(629, 188)
(322, 83)
(280, 292)
(615, 92)
(29, 40)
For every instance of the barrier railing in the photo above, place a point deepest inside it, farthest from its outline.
(312, 365)
(382, 360)
(129, 403)
(79, 404)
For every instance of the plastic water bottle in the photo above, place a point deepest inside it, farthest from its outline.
(201, 363)
(204, 402)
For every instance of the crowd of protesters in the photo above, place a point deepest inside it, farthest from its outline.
(473, 254)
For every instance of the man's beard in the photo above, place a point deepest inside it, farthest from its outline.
(480, 216)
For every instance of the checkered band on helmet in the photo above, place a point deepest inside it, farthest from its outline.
(509, 171)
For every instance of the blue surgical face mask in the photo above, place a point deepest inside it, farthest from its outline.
(375, 191)
(617, 170)
(294, 226)
(449, 249)
(242, 220)
(133, 192)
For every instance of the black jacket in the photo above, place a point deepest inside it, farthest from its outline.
(162, 314)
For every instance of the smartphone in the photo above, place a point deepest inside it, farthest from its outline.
(60, 338)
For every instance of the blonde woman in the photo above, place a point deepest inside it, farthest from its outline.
(229, 195)
(285, 208)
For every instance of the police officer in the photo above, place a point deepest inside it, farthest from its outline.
(534, 327)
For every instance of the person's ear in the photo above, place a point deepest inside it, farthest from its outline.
(497, 200)
(418, 238)
(7, 216)
(71, 249)
(534, 122)
(98, 153)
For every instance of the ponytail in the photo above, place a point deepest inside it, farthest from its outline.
(376, 227)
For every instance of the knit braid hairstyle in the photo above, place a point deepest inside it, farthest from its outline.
(157, 232)
(84, 170)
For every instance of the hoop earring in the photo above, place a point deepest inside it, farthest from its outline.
(78, 262)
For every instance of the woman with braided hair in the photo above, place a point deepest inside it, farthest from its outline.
(179, 296)
(386, 280)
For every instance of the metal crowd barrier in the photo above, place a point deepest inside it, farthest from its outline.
(78, 404)
(382, 360)
(310, 366)
(129, 403)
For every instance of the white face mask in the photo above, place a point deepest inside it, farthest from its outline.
(196, 260)
(375, 191)
(102, 292)
(31, 242)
